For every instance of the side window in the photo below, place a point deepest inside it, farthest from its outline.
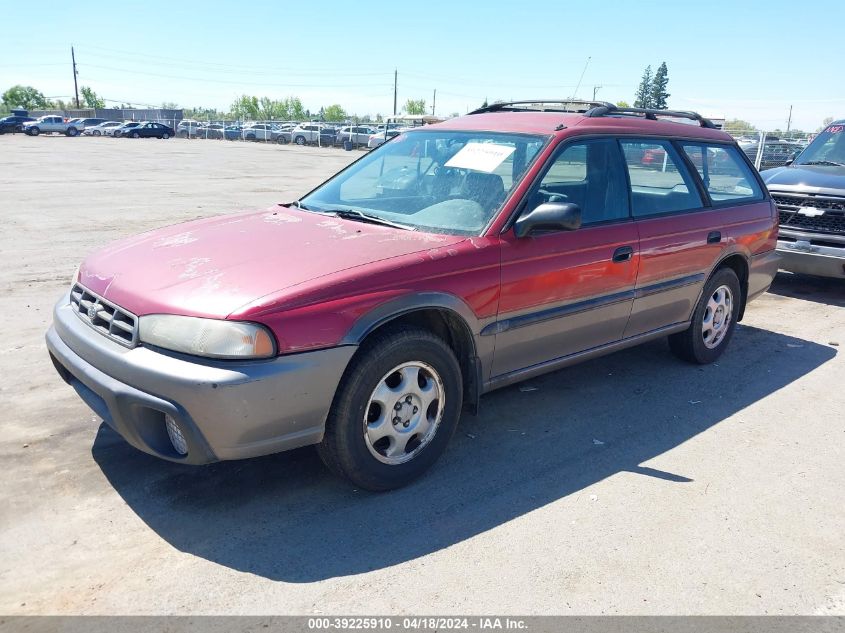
(589, 174)
(725, 175)
(659, 181)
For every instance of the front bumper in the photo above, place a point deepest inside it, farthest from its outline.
(225, 409)
(802, 256)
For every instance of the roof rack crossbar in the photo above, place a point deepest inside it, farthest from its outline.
(649, 113)
(540, 103)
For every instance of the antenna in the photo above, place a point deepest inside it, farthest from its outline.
(581, 78)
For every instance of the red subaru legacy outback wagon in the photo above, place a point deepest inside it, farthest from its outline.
(455, 259)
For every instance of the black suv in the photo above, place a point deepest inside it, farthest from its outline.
(13, 123)
(810, 194)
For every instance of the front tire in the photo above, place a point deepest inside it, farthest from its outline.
(96, 133)
(396, 408)
(135, 135)
(300, 140)
(713, 321)
(72, 131)
(33, 131)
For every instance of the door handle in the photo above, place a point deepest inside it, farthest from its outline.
(623, 254)
(714, 237)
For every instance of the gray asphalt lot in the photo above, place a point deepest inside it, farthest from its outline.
(632, 484)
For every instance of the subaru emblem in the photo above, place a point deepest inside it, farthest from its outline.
(92, 311)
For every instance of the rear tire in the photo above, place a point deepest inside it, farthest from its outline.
(713, 320)
(72, 131)
(300, 140)
(165, 136)
(396, 408)
(135, 135)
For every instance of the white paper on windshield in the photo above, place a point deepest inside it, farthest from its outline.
(480, 156)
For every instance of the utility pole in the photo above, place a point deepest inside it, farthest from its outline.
(75, 88)
(433, 101)
(789, 121)
(595, 90)
(395, 88)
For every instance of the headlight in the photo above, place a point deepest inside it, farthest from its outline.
(207, 337)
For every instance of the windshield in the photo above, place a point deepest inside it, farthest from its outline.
(828, 148)
(433, 180)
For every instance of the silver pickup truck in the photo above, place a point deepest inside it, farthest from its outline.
(51, 124)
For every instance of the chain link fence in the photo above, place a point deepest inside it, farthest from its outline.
(770, 149)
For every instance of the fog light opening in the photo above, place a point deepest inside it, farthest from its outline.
(175, 435)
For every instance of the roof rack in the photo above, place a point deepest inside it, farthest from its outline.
(606, 109)
(544, 105)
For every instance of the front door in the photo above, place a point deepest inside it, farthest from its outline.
(568, 291)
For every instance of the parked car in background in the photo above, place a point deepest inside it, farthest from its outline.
(515, 231)
(13, 124)
(82, 124)
(188, 128)
(810, 194)
(210, 130)
(376, 140)
(150, 129)
(306, 133)
(51, 124)
(328, 135)
(775, 153)
(233, 132)
(125, 127)
(265, 132)
(103, 129)
(358, 134)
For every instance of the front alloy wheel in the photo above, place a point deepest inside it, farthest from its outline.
(404, 412)
(396, 408)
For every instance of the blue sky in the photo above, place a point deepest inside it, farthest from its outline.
(747, 60)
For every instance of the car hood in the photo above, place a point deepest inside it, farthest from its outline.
(214, 266)
(824, 179)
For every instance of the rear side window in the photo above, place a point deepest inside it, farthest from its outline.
(725, 175)
(659, 181)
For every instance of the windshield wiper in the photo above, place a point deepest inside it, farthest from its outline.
(359, 216)
(823, 162)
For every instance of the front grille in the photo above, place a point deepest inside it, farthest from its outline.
(105, 317)
(832, 221)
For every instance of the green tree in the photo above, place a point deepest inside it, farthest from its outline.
(334, 113)
(24, 97)
(622, 104)
(246, 107)
(91, 99)
(415, 106)
(659, 94)
(295, 111)
(738, 126)
(643, 97)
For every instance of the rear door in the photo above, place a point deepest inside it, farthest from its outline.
(568, 291)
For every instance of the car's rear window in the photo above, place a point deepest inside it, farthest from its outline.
(726, 176)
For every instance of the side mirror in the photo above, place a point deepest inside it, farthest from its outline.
(550, 216)
(792, 158)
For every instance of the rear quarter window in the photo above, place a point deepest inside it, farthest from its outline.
(726, 176)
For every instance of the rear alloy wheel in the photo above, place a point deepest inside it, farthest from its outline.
(395, 410)
(135, 135)
(72, 131)
(713, 321)
(165, 136)
(300, 140)
(281, 140)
